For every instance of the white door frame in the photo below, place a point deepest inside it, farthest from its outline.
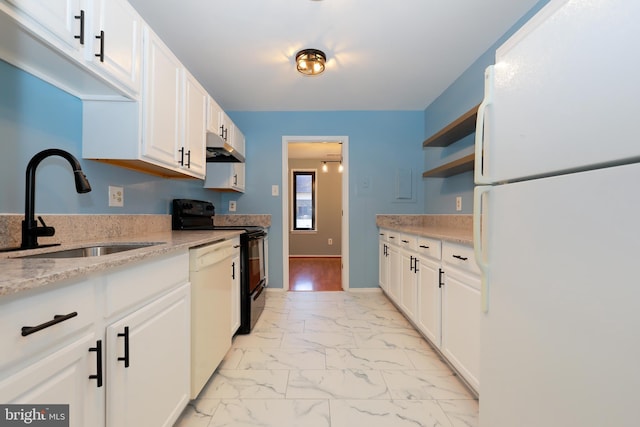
(345, 204)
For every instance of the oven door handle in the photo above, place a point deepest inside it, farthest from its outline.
(258, 292)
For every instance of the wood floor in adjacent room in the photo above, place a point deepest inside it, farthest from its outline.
(315, 274)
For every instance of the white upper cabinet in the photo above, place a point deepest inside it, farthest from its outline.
(161, 102)
(55, 40)
(115, 43)
(195, 100)
(64, 19)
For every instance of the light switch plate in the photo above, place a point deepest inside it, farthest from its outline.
(232, 205)
(275, 190)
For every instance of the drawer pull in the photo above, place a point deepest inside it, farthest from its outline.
(98, 375)
(424, 247)
(405, 241)
(463, 258)
(125, 335)
(58, 318)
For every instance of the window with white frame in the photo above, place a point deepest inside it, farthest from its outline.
(304, 200)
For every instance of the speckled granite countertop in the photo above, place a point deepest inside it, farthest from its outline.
(19, 275)
(453, 228)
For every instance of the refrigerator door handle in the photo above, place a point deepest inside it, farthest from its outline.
(478, 247)
(479, 175)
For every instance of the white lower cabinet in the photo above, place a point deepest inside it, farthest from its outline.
(148, 363)
(429, 300)
(61, 377)
(395, 273)
(409, 284)
(71, 344)
(383, 261)
(436, 285)
(461, 324)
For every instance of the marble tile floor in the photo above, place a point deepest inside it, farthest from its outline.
(338, 359)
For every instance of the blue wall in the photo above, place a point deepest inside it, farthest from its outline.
(461, 96)
(379, 144)
(34, 116)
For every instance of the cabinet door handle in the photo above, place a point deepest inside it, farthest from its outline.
(463, 258)
(411, 263)
(181, 151)
(233, 270)
(235, 179)
(81, 35)
(58, 318)
(188, 158)
(415, 265)
(424, 247)
(101, 54)
(125, 335)
(440, 274)
(98, 375)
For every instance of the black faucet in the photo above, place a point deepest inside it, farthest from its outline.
(30, 229)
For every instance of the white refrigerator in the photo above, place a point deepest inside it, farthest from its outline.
(557, 220)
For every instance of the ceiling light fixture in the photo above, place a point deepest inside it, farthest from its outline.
(310, 62)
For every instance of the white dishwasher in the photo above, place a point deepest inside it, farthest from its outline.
(210, 274)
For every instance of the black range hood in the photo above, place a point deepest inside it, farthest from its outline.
(219, 150)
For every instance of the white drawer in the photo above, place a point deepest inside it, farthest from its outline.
(77, 296)
(409, 241)
(133, 285)
(394, 237)
(383, 235)
(431, 248)
(459, 256)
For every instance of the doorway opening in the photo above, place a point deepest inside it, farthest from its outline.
(315, 213)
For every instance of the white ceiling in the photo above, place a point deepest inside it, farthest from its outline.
(381, 54)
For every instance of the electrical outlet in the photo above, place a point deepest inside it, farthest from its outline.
(116, 196)
(232, 205)
(330, 241)
(275, 190)
(458, 203)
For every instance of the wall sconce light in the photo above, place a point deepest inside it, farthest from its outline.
(310, 62)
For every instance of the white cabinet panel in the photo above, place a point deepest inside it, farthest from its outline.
(61, 377)
(61, 18)
(118, 51)
(154, 388)
(195, 122)
(161, 102)
(461, 324)
(428, 317)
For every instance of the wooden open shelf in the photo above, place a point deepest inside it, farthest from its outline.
(456, 130)
(463, 164)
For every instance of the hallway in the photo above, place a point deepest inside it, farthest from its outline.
(315, 274)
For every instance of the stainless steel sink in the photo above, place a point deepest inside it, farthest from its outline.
(91, 251)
